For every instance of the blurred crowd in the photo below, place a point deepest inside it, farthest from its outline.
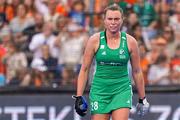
(42, 41)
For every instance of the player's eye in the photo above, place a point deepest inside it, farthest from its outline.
(110, 18)
(116, 19)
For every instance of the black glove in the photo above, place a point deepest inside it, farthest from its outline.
(142, 107)
(81, 105)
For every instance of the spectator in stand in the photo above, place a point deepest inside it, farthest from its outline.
(71, 46)
(161, 43)
(5, 37)
(77, 13)
(41, 7)
(18, 24)
(159, 72)
(45, 37)
(15, 4)
(21, 21)
(22, 79)
(6, 10)
(99, 6)
(61, 25)
(35, 28)
(30, 6)
(159, 46)
(3, 16)
(62, 8)
(137, 33)
(147, 18)
(168, 35)
(175, 22)
(25, 38)
(144, 63)
(39, 74)
(53, 14)
(175, 67)
(34, 24)
(145, 12)
(132, 20)
(68, 75)
(14, 60)
(153, 54)
(164, 14)
(51, 64)
(126, 5)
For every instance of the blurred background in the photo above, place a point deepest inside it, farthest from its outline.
(42, 41)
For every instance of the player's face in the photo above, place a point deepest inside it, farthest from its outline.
(113, 21)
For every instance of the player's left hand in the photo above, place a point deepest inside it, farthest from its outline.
(142, 107)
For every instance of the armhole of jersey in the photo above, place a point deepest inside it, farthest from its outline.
(100, 42)
(126, 41)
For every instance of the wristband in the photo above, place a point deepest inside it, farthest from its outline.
(143, 100)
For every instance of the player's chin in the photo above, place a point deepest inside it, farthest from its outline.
(114, 30)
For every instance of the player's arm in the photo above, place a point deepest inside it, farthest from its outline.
(80, 102)
(142, 105)
(86, 64)
(136, 69)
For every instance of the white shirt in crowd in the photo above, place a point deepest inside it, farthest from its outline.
(158, 73)
(72, 50)
(38, 40)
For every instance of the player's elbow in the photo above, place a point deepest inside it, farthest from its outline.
(84, 68)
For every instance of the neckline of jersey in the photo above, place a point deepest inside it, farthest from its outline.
(119, 42)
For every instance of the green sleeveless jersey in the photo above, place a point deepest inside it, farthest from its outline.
(111, 74)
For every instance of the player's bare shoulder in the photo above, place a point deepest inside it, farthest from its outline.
(94, 41)
(131, 39)
(95, 37)
(131, 42)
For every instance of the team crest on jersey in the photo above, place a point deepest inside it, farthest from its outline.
(122, 54)
(121, 51)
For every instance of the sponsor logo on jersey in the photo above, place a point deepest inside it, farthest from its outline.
(123, 41)
(112, 63)
(128, 101)
(102, 63)
(123, 44)
(103, 53)
(102, 37)
(122, 56)
(102, 47)
(123, 37)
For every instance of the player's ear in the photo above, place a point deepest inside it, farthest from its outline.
(123, 18)
(104, 17)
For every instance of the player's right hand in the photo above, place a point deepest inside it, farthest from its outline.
(142, 107)
(81, 105)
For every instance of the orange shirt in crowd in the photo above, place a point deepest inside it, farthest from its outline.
(8, 11)
(175, 62)
(38, 82)
(144, 66)
(130, 1)
(61, 10)
(2, 54)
